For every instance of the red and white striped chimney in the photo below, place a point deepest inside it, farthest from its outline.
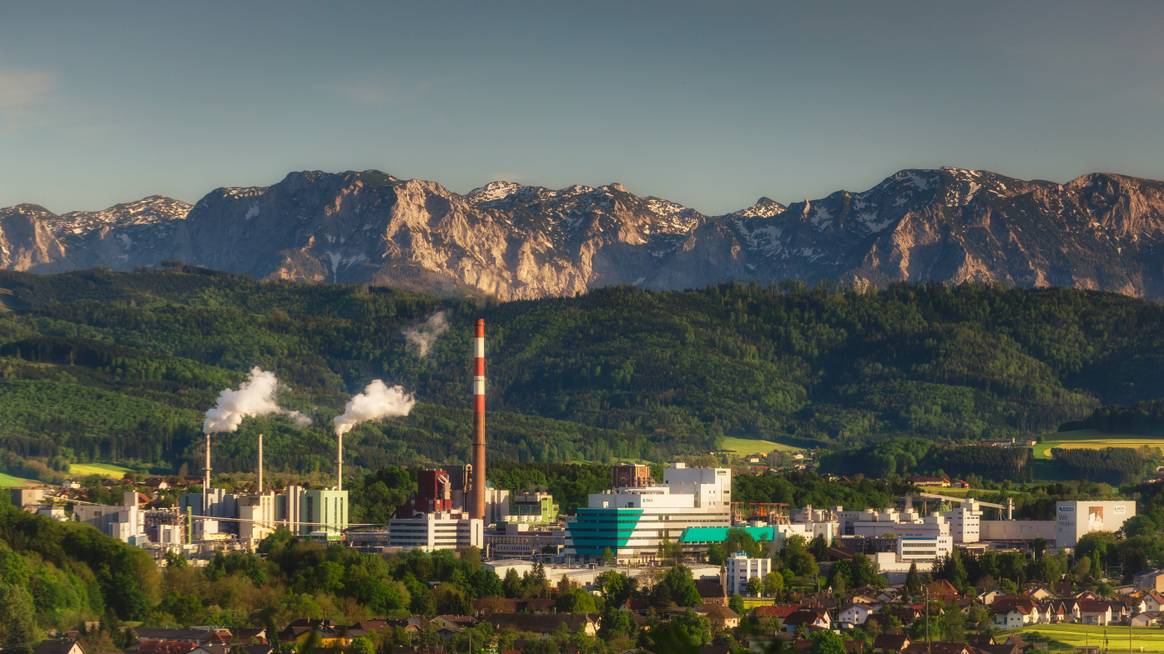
(477, 506)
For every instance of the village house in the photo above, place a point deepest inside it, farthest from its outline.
(1089, 611)
(1150, 580)
(889, 643)
(853, 615)
(809, 619)
(1014, 612)
(59, 646)
(1153, 602)
(720, 617)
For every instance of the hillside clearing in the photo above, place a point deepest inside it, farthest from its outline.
(1091, 439)
(750, 446)
(111, 470)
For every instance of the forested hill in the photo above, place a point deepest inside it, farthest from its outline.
(101, 365)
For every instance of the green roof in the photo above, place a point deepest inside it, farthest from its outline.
(720, 534)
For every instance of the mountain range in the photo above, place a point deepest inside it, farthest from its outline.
(511, 241)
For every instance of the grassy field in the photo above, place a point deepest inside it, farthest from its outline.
(1070, 636)
(1092, 440)
(749, 446)
(110, 470)
(8, 481)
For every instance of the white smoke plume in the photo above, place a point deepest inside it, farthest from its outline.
(377, 401)
(254, 397)
(426, 333)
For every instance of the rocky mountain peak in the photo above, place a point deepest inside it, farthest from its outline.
(511, 241)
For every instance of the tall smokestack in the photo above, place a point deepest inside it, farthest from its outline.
(260, 464)
(477, 506)
(206, 479)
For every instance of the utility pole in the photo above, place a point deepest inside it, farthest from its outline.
(926, 595)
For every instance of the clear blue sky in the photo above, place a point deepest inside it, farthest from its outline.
(710, 104)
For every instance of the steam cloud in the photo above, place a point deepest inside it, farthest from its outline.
(377, 401)
(426, 333)
(254, 397)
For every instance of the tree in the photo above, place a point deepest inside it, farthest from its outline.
(826, 642)
(755, 587)
(616, 588)
(716, 554)
(616, 622)
(362, 645)
(953, 623)
(684, 634)
(678, 586)
(913, 582)
(797, 559)
(576, 600)
(736, 603)
(511, 585)
(18, 628)
(773, 584)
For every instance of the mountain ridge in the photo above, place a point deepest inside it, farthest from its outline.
(1101, 231)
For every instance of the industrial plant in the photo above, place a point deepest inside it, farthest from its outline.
(637, 522)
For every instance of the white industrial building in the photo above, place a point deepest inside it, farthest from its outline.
(631, 524)
(1075, 519)
(125, 522)
(440, 530)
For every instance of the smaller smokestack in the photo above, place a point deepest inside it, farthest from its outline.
(206, 479)
(260, 464)
(339, 461)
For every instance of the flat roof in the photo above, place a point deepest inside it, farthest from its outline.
(720, 534)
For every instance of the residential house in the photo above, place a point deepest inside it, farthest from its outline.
(711, 591)
(1153, 602)
(720, 617)
(938, 647)
(174, 641)
(1145, 620)
(808, 618)
(942, 591)
(59, 646)
(1053, 612)
(776, 611)
(889, 643)
(1039, 593)
(1129, 606)
(545, 624)
(1094, 612)
(853, 615)
(988, 596)
(1150, 580)
(1014, 612)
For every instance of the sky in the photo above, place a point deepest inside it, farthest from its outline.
(710, 104)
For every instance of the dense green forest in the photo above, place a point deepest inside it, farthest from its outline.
(120, 366)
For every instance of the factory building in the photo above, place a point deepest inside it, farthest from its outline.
(316, 513)
(632, 523)
(1073, 520)
(630, 475)
(524, 540)
(441, 530)
(126, 522)
(535, 508)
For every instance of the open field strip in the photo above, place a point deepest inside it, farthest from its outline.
(1144, 639)
(110, 470)
(749, 446)
(9, 481)
(1093, 440)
